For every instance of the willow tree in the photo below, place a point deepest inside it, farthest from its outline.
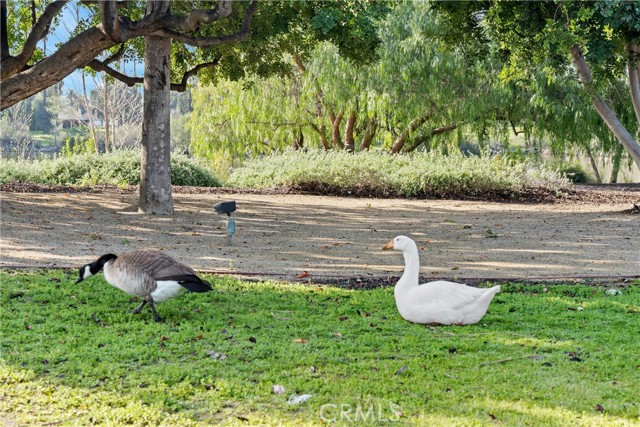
(414, 86)
(180, 38)
(304, 108)
(597, 42)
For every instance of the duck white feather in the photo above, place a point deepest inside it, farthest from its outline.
(438, 302)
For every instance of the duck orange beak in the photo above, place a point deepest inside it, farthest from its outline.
(388, 246)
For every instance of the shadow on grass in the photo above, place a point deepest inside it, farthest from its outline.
(74, 354)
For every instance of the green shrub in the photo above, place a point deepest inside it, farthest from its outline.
(122, 167)
(575, 173)
(416, 175)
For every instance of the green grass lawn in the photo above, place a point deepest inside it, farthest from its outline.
(75, 355)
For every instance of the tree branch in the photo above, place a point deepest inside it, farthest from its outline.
(411, 127)
(609, 117)
(102, 66)
(116, 56)
(182, 86)
(110, 20)
(191, 22)
(210, 41)
(14, 64)
(132, 81)
(633, 68)
(432, 133)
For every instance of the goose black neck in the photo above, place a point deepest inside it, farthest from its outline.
(97, 265)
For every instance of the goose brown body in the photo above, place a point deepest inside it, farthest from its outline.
(152, 275)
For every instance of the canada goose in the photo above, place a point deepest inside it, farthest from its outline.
(439, 302)
(152, 275)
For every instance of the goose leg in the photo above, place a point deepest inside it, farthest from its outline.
(139, 308)
(156, 316)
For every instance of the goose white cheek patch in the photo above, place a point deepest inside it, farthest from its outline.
(87, 272)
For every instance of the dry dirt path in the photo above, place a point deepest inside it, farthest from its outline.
(285, 235)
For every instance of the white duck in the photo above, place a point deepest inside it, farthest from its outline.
(438, 302)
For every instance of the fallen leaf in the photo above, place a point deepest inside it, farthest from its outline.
(198, 337)
(401, 370)
(337, 334)
(343, 318)
(303, 275)
(300, 340)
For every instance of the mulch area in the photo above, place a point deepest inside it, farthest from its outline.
(595, 194)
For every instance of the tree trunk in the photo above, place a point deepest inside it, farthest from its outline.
(321, 130)
(105, 114)
(4, 37)
(633, 67)
(365, 144)
(431, 134)
(90, 114)
(618, 129)
(615, 169)
(155, 170)
(411, 127)
(594, 167)
(298, 139)
(349, 141)
(335, 123)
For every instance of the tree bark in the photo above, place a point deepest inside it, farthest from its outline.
(618, 129)
(335, 123)
(365, 144)
(298, 139)
(92, 123)
(12, 65)
(633, 67)
(4, 36)
(615, 169)
(431, 134)
(349, 140)
(107, 131)
(594, 166)
(323, 135)
(155, 171)
(75, 53)
(411, 127)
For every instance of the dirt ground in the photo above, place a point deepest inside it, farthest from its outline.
(284, 236)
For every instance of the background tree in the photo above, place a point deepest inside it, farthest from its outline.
(599, 39)
(15, 122)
